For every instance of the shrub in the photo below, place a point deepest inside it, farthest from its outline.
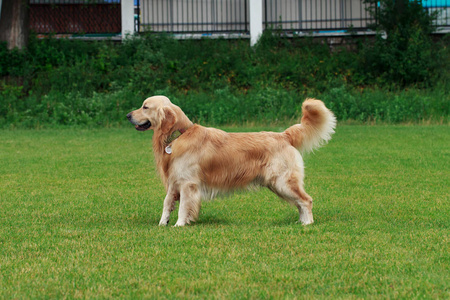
(58, 82)
(403, 52)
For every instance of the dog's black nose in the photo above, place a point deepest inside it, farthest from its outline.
(129, 116)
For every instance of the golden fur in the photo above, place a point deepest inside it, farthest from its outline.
(207, 161)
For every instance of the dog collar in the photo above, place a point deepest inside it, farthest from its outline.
(176, 134)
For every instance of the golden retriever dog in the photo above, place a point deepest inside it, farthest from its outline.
(197, 162)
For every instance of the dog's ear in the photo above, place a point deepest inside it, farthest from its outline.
(168, 119)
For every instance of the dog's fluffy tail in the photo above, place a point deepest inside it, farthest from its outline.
(317, 126)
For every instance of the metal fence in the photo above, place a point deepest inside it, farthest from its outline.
(218, 16)
(75, 16)
(194, 16)
(298, 16)
(211, 16)
(290, 16)
(56, 2)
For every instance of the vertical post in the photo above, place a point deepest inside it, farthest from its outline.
(127, 9)
(256, 21)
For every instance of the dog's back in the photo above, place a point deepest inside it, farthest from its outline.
(226, 161)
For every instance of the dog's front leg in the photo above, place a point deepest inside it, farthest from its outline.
(190, 201)
(169, 205)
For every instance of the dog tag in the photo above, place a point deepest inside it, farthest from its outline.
(169, 149)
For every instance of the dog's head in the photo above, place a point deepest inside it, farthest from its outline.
(156, 113)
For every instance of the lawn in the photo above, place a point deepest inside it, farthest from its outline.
(79, 211)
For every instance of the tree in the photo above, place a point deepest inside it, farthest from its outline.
(403, 51)
(14, 23)
(400, 15)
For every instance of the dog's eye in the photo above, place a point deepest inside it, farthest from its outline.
(145, 107)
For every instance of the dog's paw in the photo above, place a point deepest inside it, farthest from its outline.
(164, 222)
(179, 224)
(305, 222)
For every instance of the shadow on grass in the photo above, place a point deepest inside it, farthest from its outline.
(152, 220)
(211, 220)
(291, 219)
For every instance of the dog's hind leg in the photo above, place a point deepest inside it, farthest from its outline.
(290, 188)
(169, 205)
(190, 202)
(304, 206)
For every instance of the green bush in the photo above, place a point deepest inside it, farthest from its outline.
(60, 82)
(377, 105)
(403, 52)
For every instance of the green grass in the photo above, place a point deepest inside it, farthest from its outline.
(79, 211)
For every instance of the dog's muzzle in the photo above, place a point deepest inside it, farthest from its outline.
(140, 127)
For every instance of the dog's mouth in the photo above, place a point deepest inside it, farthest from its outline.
(143, 127)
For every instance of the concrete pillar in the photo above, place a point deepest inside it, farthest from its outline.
(256, 20)
(127, 7)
